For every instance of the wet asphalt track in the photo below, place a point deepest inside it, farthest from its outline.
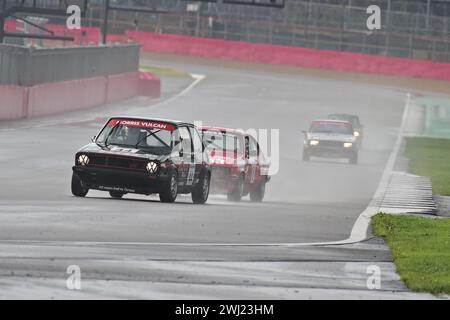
(306, 202)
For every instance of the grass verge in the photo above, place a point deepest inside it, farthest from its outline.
(159, 71)
(431, 157)
(420, 249)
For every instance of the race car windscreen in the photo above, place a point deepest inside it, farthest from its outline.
(331, 127)
(154, 137)
(221, 141)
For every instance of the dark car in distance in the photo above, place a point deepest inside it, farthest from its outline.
(330, 139)
(144, 156)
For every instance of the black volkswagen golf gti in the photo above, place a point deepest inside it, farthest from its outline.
(144, 156)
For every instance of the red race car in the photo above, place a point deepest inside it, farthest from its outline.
(238, 165)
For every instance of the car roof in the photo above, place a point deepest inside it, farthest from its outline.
(221, 129)
(174, 122)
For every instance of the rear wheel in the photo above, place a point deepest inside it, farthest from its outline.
(201, 190)
(257, 195)
(238, 190)
(169, 190)
(353, 158)
(116, 194)
(77, 187)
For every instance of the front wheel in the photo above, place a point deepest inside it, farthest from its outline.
(257, 195)
(169, 190)
(77, 187)
(201, 191)
(116, 194)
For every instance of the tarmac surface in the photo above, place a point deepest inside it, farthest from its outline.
(140, 248)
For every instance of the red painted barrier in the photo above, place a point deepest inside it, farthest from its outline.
(149, 84)
(122, 86)
(285, 55)
(58, 97)
(51, 98)
(12, 102)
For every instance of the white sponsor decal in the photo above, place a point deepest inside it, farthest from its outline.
(144, 124)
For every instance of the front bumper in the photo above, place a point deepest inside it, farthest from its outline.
(107, 179)
(330, 152)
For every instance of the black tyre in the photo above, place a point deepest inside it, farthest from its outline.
(200, 192)
(77, 187)
(353, 159)
(116, 194)
(257, 195)
(238, 190)
(169, 190)
(306, 156)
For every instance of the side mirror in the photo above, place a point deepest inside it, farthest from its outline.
(181, 152)
(93, 138)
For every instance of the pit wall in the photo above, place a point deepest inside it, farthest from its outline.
(51, 98)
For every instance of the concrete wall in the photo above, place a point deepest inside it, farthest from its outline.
(31, 66)
(23, 102)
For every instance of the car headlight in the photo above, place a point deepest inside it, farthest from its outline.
(313, 142)
(348, 145)
(83, 160)
(152, 167)
(356, 134)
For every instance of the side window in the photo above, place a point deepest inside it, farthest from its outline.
(185, 141)
(253, 148)
(198, 145)
(247, 147)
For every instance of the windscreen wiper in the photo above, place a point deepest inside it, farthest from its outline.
(152, 134)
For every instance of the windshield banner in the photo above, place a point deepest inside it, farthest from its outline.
(144, 124)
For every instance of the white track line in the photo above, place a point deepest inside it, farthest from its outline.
(358, 233)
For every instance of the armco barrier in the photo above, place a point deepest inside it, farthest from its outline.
(285, 55)
(22, 102)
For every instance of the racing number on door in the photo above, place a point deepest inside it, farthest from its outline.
(191, 175)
